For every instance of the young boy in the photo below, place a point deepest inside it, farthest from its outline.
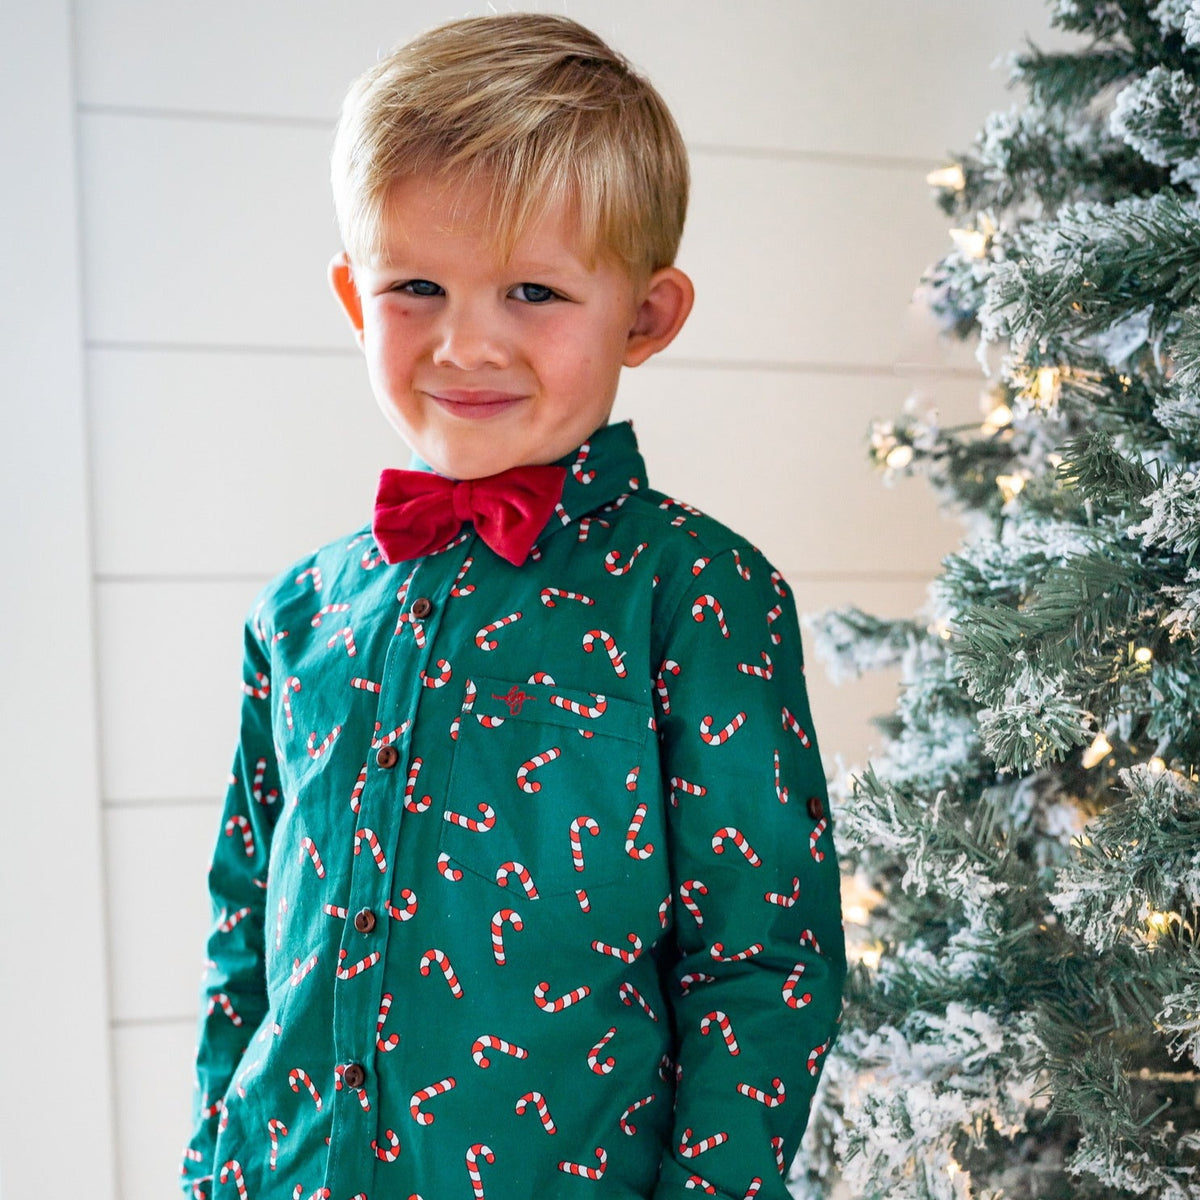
(526, 886)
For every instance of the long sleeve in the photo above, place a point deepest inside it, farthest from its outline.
(233, 997)
(756, 988)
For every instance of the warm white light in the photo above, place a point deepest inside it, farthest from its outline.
(1010, 486)
(1046, 387)
(1000, 417)
(899, 457)
(1143, 654)
(1054, 460)
(1156, 765)
(857, 914)
(971, 243)
(870, 958)
(947, 177)
(1095, 754)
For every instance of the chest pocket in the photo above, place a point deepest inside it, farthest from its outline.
(543, 793)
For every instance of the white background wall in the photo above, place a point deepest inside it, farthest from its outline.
(208, 420)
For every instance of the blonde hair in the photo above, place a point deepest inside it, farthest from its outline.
(535, 105)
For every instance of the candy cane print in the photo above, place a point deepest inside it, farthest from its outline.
(777, 1146)
(418, 630)
(363, 964)
(327, 610)
(700, 564)
(742, 570)
(613, 557)
(631, 996)
(623, 1120)
(539, 1103)
(377, 742)
(384, 1044)
(714, 606)
(322, 1193)
(339, 1081)
(256, 788)
(308, 847)
(591, 711)
(605, 1066)
(669, 667)
(315, 751)
(234, 1168)
(585, 904)
(474, 1154)
(356, 793)
(781, 792)
(670, 502)
(239, 822)
(488, 721)
(526, 768)
(263, 688)
(221, 1000)
(770, 1100)
(663, 909)
(814, 837)
(584, 477)
(445, 869)
(782, 900)
(428, 1093)
(808, 938)
(541, 990)
(458, 588)
(814, 1057)
(279, 912)
(481, 638)
(694, 1149)
(572, 1168)
(541, 677)
(739, 840)
(790, 722)
(475, 826)
(766, 671)
(718, 1018)
(441, 678)
(717, 952)
(408, 911)
(370, 559)
(585, 526)
(433, 955)
(489, 1041)
(772, 617)
(275, 1130)
(410, 787)
(688, 981)
(297, 1077)
(789, 988)
(679, 784)
(515, 868)
(723, 735)
(686, 888)
(301, 969)
(389, 1152)
(616, 952)
(699, 1183)
(578, 824)
(346, 636)
(753, 1189)
(498, 920)
(368, 835)
(610, 646)
(547, 596)
(641, 853)
(468, 705)
(225, 922)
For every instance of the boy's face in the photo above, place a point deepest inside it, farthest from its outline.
(482, 363)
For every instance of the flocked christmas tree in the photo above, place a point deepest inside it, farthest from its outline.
(1025, 1019)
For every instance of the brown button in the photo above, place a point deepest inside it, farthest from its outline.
(422, 606)
(353, 1075)
(816, 809)
(364, 920)
(387, 757)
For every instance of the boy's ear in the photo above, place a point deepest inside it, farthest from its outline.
(666, 302)
(341, 279)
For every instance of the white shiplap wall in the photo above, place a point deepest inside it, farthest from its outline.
(221, 384)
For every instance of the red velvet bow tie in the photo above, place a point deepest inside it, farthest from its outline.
(417, 512)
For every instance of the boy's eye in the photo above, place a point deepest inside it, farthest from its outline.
(534, 293)
(420, 287)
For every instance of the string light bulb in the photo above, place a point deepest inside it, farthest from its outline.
(899, 457)
(1010, 486)
(999, 418)
(1143, 655)
(1096, 753)
(1046, 387)
(1157, 766)
(951, 178)
(971, 243)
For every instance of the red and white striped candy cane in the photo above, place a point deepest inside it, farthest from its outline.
(686, 889)
(718, 1018)
(474, 1154)
(298, 1077)
(260, 689)
(573, 1168)
(741, 568)
(446, 870)
(234, 1168)
(225, 922)
(641, 853)
(428, 1093)
(791, 984)
(384, 1044)
(584, 477)
(699, 1183)
(302, 969)
(538, 760)
(578, 824)
(815, 1055)
(315, 751)
(243, 823)
(781, 792)
(389, 1152)
(670, 502)
(722, 735)
(483, 641)
(539, 1103)
(631, 996)
(808, 938)
(777, 1146)
(613, 557)
(679, 784)
(222, 1001)
(739, 840)
(714, 606)
(433, 955)
(410, 906)
(616, 952)
(766, 671)
(444, 672)
(488, 721)
(410, 787)
(582, 896)
(663, 908)
(377, 742)
(368, 836)
(458, 588)
(346, 636)
(693, 1149)
(468, 704)
(498, 920)
(515, 868)
(602, 1066)
(548, 594)
(370, 560)
(585, 526)
(669, 667)
(313, 573)
(700, 563)
(591, 711)
(627, 1127)
(772, 617)
(770, 1099)
(363, 964)
(753, 1189)
(356, 793)
(322, 1193)
(418, 630)
(275, 1130)
(815, 837)
(717, 952)
(782, 900)
(256, 788)
(790, 722)
(339, 1081)
(327, 611)
(308, 847)
(689, 981)
(487, 812)
(489, 1041)
(542, 989)
(541, 677)
(610, 646)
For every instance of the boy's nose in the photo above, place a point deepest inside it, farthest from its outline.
(470, 339)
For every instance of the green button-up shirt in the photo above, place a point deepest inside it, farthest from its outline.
(525, 884)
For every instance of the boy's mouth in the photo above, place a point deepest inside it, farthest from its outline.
(465, 403)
